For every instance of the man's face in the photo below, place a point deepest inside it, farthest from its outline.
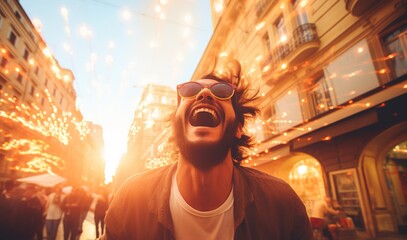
(204, 127)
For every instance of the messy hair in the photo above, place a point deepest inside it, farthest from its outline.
(230, 71)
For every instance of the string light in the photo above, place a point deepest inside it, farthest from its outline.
(30, 155)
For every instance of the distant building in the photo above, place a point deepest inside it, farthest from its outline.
(93, 171)
(41, 128)
(332, 79)
(149, 130)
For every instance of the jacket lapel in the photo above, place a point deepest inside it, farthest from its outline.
(159, 204)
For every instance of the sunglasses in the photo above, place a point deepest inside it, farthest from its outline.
(221, 90)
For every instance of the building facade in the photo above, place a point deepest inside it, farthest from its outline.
(149, 130)
(41, 129)
(332, 81)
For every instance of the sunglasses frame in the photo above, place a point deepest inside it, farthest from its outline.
(208, 86)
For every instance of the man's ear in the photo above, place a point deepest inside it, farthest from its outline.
(239, 131)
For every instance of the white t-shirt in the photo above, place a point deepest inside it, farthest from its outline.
(190, 223)
(54, 210)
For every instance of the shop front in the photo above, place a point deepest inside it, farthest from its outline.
(384, 168)
(362, 166)
(304, 174)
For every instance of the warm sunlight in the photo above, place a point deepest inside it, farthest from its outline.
(112, 157)
(115, 141)
(106, 64)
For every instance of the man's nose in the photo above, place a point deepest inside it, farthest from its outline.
(205, 94)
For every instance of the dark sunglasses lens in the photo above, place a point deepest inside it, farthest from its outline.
(190, 89)
(222, 90)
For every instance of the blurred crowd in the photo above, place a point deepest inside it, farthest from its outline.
(29, 212)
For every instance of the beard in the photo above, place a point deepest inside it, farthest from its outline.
(204, 156)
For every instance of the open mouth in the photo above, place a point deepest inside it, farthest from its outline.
(204, 117)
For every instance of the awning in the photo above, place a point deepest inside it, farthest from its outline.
(44, 180)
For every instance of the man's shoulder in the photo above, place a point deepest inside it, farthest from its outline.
(146, 181)
(257, 175)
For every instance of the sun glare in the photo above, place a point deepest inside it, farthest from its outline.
(113, 151)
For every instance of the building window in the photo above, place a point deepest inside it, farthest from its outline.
(281, 38)
(32, 91)
(18, 15)
(320, 96)
(395, 46)
(300, 12)
(3, 62)
(3, 83)
(12, 38)
(281, 29)
(352, 73)
(19, 77)
(266, 39)
(1, 18)
(269, 128)
(25, 55)
(288, 111)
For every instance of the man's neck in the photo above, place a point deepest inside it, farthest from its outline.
(205, 190)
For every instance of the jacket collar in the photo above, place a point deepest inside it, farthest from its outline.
(242, 194)
(159, 204)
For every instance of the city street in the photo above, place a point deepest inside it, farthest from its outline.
(203, 119)
(88, 229)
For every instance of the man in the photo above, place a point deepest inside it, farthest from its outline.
(102, 203)
(54, 213)
(20, 212)
(324, 211)
(206, 194)
(71, 206)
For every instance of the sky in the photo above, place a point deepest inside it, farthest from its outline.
(116, 47)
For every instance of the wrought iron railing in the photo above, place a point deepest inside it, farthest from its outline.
(302, 34)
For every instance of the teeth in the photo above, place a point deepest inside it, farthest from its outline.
(211, 111)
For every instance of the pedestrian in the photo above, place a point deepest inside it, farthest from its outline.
(206, 193)
(72, 209)
(42, 198)
(53, 213)
(324, 210)
(85, 202)
(7, 206)
(102, 203)
(32, 213)
(21, 214)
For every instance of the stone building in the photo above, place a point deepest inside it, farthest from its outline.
(41, 129)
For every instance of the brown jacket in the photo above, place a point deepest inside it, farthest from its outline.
(265, 207)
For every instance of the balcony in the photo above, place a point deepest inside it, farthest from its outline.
(304, 42)
(358, 7)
